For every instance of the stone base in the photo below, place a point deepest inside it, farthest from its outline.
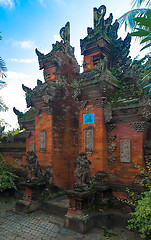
(78, 224)
(85, 223)
(26, 206)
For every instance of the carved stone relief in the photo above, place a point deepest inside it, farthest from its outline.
(102, 102)
(125, 151)
(107, 112)
(89, 139)
(82, 171)
(33, 168)
(99, 102)
(32, 146)
(111, 160)
(42, 141)
(111, 148)
(27, 134)
(110, 127)
(82, 105)
(145, 106)
(139, 126)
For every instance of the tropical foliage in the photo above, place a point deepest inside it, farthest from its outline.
(144, 32)
(129, 17)
(139, 21)
(141, 216)
(7, 176)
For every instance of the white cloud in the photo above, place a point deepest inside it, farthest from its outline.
(24, 44)
(14, 96)
(57, 37)
(42, 3)
(22, 60)
(8, 3)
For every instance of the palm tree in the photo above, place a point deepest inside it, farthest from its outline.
(139, 20)
(128, 18)
(3, 70)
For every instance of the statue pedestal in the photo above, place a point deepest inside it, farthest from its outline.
(29, 202)
(77, 217)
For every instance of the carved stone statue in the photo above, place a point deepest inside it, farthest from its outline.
(82, 172)
(33, 169)
(65, 33)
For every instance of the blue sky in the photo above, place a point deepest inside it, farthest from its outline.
(29, 24)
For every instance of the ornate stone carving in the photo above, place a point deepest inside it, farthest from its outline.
(32, 146)
(82, 105)
(99, 16)
(48, 176)
(42, 141)
(28, 92)
(139, 179)
(111, 138)
(65, 33)
(111, 148)
(125, 151)
(33, 169)
(102, 103)
(139, 126)
(145, 106)
(100, 178)
(110, 127)
(111, 160)
(112, 176)
(27, 134)
(82, 172)
(18, 113)
(99, 102)
(89, 139)
(47, 98)
(107, 112)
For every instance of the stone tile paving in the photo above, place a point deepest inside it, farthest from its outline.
(41, 226)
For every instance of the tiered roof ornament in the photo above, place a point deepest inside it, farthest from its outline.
(102, 29)
(63, 45)
(65, 33)
(105, 25)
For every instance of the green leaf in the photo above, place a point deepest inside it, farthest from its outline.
(148, 45)
(145, 40)
(144, 21)
(140, 33)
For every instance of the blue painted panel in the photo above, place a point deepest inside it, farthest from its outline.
(88, 118)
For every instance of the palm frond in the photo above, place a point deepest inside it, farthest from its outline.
(146, 46)
(138, 3)
(128, 18)
(3, 68)
(146, 39)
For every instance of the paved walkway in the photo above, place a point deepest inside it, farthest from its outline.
(41, 226)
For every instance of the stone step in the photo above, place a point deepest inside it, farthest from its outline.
(58, 206)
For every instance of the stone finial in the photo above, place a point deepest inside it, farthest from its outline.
(39, 54)
(99, 16)
(17, 112)
(65, 33)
